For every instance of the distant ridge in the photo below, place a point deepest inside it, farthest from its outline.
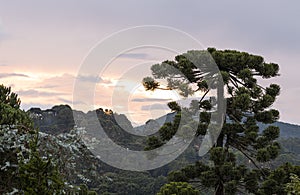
(60, 119)
(287, 130)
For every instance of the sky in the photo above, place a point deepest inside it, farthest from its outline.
(43, 45)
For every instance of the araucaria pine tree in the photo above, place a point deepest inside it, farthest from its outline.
(247, 104)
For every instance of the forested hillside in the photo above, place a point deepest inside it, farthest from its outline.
(72, 154)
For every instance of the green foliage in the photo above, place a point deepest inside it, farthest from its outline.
(178, 188)
(174, 106)
(277, 180)
(129, 183)
(153, 142)
(83, 190)
(9, 98)
(293, 187)
(206, 105)
(11, 114)
(167, 131)
(150, 84)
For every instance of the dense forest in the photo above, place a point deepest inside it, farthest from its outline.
(48, 152)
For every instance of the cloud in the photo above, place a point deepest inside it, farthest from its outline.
(60, 89)
(36, 93)
(70, 102)
(58, 79)
(63, 83)
(65, 100)
(107, 82)
(89, 78)
(50, 86)
(155, 107)
(5, 75)
(150, 100)
(134, 55)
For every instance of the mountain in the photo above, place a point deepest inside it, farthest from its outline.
(58, 119)
(286, 130)
(69, 149)
(153, 125)
(61, 119)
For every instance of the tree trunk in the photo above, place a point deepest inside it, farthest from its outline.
(221, 107)
(222, 119)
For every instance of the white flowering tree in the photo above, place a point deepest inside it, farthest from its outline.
(21, 168)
